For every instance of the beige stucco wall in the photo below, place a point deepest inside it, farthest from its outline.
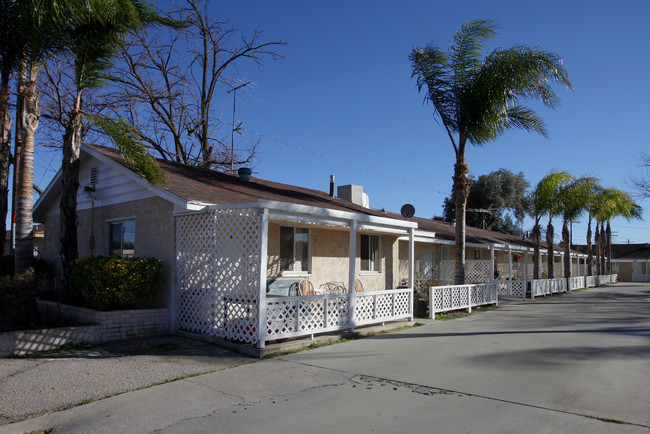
(329, 258)
(154, 235)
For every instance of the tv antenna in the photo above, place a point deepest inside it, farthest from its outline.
(235, 128)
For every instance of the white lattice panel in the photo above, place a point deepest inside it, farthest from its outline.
(518, 288)
(218, 273)
(478, 271)
(379, 306)
(445, 298)
(297, 316)
(447, 270)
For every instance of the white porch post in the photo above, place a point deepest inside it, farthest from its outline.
(264, 249)
(174, 310)
(491, 279)
(526, 275)
(510, 263)
(411, 267)
(352, 271)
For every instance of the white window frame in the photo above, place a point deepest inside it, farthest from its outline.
(293, 271)
(374, 267)
(108, 235)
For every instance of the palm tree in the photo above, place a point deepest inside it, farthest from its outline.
(613, 203)
(9, 51)
(477, 99)
(545, 201)
(573, 199)
(592, 207)
(36, 39)
(93, 38)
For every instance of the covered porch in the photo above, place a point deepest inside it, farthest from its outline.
(269, 270)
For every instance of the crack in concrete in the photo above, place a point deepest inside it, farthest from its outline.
(25, 369)
(430, 391)
(245, 405)
(415, 388)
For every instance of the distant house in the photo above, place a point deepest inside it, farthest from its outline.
(631, 262)
(38, 240)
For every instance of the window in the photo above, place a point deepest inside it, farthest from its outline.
(369, 253)
(294, 249)
(121, 238)
(445, 253)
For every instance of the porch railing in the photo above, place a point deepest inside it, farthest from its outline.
(289, 317)
(576, 282)
(446, 298)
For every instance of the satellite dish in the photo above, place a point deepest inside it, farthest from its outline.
(407, 211)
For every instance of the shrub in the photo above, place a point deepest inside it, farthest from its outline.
(7, 265)
(112, 283)
(18, 299)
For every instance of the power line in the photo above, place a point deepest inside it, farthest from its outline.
(344, 163)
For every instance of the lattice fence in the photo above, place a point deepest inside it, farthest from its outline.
(547, 286)
(377, 306)
(218, 273)
(298, 316)
(513, 288)
(476, 271)
(446, 298)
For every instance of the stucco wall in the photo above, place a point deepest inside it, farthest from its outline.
(329, 258)
(154, 236)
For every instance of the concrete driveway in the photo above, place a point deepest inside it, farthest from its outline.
(575, 363)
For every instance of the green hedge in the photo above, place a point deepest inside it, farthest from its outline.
(113, 283)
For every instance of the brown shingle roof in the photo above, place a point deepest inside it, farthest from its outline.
(209, 186)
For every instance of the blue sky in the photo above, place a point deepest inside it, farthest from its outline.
(344, 92)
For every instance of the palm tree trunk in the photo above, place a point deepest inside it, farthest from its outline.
(603, 248)
(68, 204)
(461, 193)
(597, 242)
(549, 247)
(25, 195)
(608, 232)
(18, 146)
(5, 159)
(566, 237)
(589, 249)
(537, 241)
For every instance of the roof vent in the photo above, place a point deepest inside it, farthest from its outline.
(94, 173)
(244, 173)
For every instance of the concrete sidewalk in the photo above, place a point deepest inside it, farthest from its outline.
(34, 385)
(572, 363)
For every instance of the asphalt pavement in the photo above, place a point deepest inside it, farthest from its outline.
(576, 363)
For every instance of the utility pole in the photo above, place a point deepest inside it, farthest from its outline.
(234, 128)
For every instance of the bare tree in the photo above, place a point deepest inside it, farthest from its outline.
(168, 81)
(641, 183)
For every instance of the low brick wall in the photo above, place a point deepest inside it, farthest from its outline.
(113, 325)
(23, 343)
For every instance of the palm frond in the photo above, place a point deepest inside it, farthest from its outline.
(546, 193)
(467, 50)
(430, 66)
